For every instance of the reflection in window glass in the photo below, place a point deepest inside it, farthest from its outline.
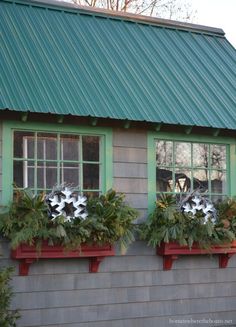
(200, 180)
(46, 146)
(200, 155)
(218, 156)
(91, 194)
(164, 179)
(46, 174)
(23, 145)
(182, 181)
(91, 148)
(91, 176)
(164, 153)
(183, 154)
(28, 173)
(70, 147)
(196, 166)
(18, 173)
(218, 198)
(43, 160)
(30, 178)
(218, 182)
(70, 173)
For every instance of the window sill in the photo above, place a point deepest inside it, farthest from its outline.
(171, 251)
(28, 254)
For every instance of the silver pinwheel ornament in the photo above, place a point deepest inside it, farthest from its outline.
(63, 201)
(195, 203)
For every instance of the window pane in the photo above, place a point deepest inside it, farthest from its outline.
(18, 173)
(218, 198)
(164, 153)
(23, 145)
(91, 176)
(218, 182)
(91, 194)
(91, 148)
(29, 182)
(218, 156)
(46, 175)
(164, 181)
(200, 180)
(47, 146)
(200, 155)
(70, 147)
(23, 174)
(182, 181)
(183, 154)
(70, 174)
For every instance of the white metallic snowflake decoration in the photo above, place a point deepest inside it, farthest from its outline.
(64, 202)
(195, 203)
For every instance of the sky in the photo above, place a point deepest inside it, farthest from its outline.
(217, 13)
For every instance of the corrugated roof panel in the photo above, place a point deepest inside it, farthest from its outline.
(88, 63)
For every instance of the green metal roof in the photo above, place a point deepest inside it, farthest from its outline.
(61, 60)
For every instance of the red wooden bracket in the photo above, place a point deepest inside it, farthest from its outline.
(168, 261)
(24, 266)
(94, 264)
(223, 259)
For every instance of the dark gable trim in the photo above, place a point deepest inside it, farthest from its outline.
(166, 23)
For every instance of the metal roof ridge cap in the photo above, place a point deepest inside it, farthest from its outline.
(167, 23)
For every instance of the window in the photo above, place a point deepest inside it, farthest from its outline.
(44, 157)
(182, 167)
(179, 164)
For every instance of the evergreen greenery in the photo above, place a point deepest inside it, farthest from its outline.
(27, 221)
(7, 317)
(168, 223)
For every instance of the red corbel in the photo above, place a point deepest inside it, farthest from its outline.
(94, 263)
(224, 258)
(168, 261)
(24, 266)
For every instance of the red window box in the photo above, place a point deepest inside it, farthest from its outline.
(28, 254)
(171, 251)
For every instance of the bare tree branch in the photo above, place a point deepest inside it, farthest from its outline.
(170, 9)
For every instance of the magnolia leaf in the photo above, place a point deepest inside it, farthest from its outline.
(60, 231)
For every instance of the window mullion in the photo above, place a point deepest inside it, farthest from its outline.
(44, 164)
(101, 165)
(25, 162)
(59, 157)
(173, 166)
(209, 170)
(191, 169)
(35, 160)
(81, 164)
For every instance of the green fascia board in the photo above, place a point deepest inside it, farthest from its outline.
(79, 62)
(7, 150)
(152, 136)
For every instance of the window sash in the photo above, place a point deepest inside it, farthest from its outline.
(105, 161)
(41, 165)
(230, 142)
(173, 168)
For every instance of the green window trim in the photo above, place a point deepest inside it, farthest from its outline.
(7, 150)
(151, 153)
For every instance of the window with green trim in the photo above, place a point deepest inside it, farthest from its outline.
(42, 155)
(42, 160)
(182, 167)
